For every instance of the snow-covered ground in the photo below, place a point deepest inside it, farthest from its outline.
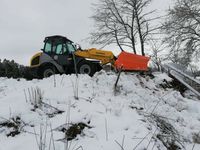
(139, 115)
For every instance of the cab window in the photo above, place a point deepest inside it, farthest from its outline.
(70, 47)
(47, 47)
(58, 49)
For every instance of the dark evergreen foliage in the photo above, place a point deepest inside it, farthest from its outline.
(11, 69)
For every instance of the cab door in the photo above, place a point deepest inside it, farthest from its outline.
(60, 54)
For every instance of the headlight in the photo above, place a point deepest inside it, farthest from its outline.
(35, 61)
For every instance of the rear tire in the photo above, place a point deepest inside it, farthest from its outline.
(86, 67)
(47, 71)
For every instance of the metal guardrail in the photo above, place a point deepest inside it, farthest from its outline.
(187, 80)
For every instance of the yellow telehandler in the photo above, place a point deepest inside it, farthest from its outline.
(60, 55)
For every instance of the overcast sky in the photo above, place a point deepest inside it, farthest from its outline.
(25, 23)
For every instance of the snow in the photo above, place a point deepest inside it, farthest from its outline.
(116, 118)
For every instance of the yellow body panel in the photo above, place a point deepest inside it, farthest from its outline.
(101, 55)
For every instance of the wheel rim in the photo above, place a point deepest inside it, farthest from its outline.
(85, 69)
(48, 73)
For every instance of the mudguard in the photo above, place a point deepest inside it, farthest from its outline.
(45, 58)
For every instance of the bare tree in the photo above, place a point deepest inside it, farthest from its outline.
(157, 56)
(122, 22)
(182, 28)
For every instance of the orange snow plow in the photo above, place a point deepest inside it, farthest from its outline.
(132, 62)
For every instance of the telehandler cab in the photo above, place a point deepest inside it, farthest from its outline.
(60, 55)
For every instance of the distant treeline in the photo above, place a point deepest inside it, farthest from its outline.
(11, 69)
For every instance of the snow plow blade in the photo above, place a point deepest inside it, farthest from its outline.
(131, 62)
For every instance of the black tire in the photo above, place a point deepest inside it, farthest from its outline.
(47, 71)
(86, 67)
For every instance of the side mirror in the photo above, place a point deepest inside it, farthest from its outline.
(78, 47)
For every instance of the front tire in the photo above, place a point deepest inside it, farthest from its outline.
(86, 67)
(47, 71)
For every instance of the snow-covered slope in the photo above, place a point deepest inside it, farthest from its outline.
(139, 115)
